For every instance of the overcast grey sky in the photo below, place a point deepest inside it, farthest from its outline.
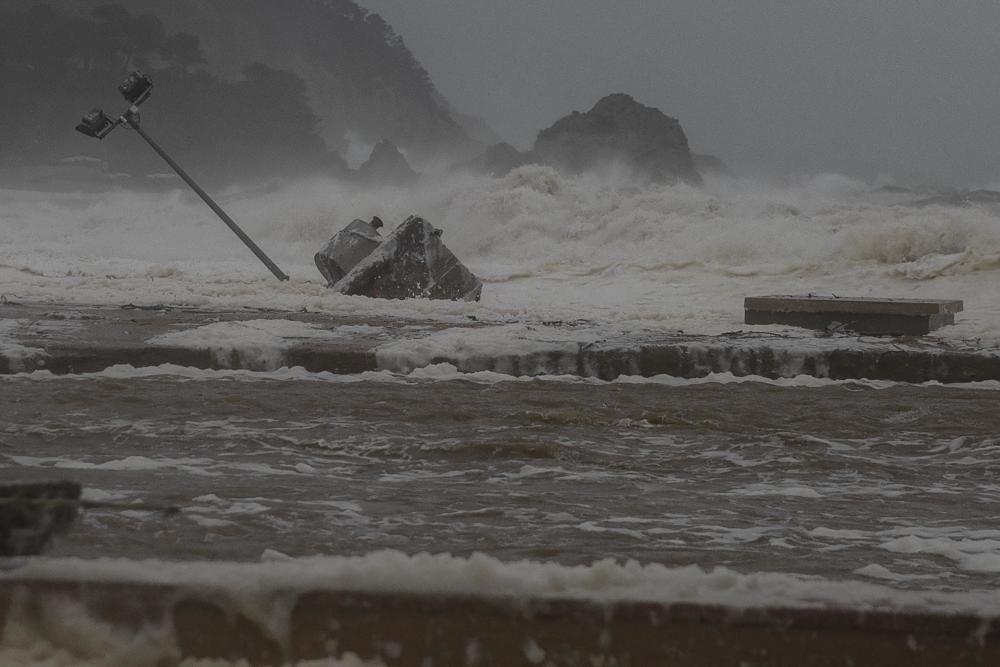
(863, 87)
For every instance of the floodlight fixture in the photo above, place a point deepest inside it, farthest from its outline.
(136, 89)
(96, 124)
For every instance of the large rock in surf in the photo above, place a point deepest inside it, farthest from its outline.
(387, 166)
(412, 262)
(619, 129)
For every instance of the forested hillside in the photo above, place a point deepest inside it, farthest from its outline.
(242, 87)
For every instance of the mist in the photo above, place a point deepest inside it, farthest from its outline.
(895, 91)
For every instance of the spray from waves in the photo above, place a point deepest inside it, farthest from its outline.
(539, 221)
(534, 221)
(547, 244)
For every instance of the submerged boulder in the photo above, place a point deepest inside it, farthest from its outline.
(412, 262)
(619, 129)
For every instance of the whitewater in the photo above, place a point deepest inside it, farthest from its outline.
(799, 492)
(548, 247)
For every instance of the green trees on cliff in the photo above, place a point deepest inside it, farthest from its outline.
(54, 66)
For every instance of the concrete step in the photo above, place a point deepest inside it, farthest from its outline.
(862, 315)
(74, 339)
(416, 629)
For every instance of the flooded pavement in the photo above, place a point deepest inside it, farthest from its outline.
(896, 484)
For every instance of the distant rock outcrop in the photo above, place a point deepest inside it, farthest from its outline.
(387, 166)
(498, 160)
(709, 164)
(619, 129)
(962, 199)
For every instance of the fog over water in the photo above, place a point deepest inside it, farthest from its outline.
(906, 90)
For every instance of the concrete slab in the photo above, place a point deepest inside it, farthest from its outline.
(416, 629)
(863, 315)
(78, 339)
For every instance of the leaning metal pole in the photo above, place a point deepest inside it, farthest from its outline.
(131, 119)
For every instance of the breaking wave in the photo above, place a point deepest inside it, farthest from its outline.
(546, 244)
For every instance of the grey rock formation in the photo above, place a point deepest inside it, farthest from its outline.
(619, 129)
(498, 160)
(387, 166)
(412, 262)
(962, 199)
(709, 164)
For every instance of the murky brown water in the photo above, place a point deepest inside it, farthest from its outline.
(899, 483)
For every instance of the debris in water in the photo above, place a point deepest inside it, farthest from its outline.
(412, 262)
(348, 247)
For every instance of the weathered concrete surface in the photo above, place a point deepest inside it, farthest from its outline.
(74, 339)
(404, 630)
(863, 315)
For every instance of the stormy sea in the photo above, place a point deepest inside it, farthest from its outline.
(719, 489)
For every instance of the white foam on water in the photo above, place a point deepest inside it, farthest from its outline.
(974, 555)
(259, 343)
(194, 466)
(407, 355)
(447, 372)
(606, 580)
(876, 571)
(15, 353)
(189, 373)
(548, 246)
(794, 491)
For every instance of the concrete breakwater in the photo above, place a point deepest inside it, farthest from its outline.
(74, 339)
(415, 629)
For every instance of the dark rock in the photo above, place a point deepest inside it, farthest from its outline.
(412, 262)
(31, 514)
(387, 166)
(962, 199)
(348, 247)
(619, 129)
(709, 164)
(477, 129)
(498, 160)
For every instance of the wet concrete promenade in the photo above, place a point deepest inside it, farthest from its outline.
(78, 339)
(849, 487)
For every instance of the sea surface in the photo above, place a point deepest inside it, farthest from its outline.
(873, 483)
(885, 482)
(547, 247)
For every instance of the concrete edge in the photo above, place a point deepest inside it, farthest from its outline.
(852, 306)
(404, 629)
(682, 360)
